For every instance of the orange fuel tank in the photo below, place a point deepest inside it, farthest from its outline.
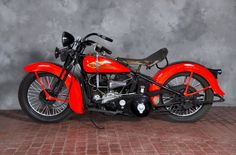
(105, 65)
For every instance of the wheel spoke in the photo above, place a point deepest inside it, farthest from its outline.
(176, 82)
(180, 82)
(196, 85)
(37, 84)
(35, 88)
(46, 108)
(192, 83)
(168, 100)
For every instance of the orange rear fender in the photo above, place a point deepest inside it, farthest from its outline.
(176, 68)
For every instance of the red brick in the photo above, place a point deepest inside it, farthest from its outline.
(214, 134)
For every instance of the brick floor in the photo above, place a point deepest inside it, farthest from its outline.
(215, 134)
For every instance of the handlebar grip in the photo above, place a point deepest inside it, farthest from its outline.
(109, 39)
(106, 38)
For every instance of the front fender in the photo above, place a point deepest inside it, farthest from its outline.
(75, 96)
(176, 68)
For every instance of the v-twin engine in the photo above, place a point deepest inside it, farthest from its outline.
(113, 93)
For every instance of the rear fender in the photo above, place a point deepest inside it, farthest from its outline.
(75, 96)
(179, 67)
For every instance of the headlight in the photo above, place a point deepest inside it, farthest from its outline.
(67, 39)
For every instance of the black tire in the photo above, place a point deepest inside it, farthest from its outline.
(209, 95)
(24, 103)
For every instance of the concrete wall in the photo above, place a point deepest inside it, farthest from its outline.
(196, 30)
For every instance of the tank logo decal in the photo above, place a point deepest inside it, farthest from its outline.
(100, 63)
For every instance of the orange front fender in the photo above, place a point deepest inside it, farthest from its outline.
(176, 68)
(75, 96)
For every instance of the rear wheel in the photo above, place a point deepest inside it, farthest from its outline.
(33, 99)
(190, 108)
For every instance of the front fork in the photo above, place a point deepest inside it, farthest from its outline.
(59, 84)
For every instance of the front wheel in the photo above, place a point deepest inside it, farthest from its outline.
(188, 109)
(33, 99)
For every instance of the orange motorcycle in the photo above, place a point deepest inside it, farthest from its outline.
(98, 82)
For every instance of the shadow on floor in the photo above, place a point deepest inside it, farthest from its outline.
(98, 117)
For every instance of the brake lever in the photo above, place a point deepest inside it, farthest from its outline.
(101, 49)
(106, 50)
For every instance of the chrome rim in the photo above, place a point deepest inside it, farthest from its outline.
(46, 108)
(177, 81)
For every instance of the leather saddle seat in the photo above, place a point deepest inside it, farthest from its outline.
(148, 61)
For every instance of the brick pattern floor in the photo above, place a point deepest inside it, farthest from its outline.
(214, 134)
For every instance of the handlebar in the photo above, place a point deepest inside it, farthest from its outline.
(99, 35)
(79, 45)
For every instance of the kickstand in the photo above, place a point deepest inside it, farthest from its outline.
(94, 123)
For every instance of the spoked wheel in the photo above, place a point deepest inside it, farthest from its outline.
(193, 106)
(34, 102)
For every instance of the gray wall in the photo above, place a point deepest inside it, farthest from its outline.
(196, 30)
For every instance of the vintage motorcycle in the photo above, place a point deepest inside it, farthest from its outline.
(99, 83)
